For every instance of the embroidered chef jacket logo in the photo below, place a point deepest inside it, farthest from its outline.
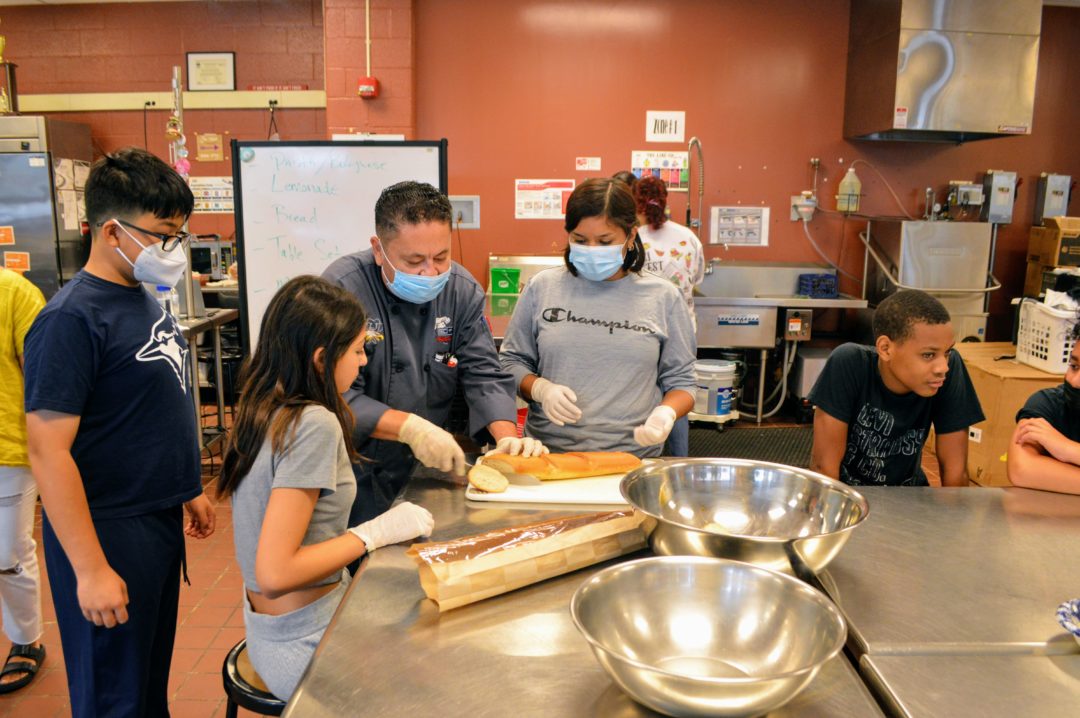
(373, 332)
(558, 314)
(164, 345)
(444, 330)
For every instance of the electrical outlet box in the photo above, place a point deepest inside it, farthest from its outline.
(999, 187)
(797, 324)
(466, 210)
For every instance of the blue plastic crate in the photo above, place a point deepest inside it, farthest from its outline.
(818, 286)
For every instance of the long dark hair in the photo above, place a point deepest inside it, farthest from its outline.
(650, 193)
(281, 378)
(611, 199)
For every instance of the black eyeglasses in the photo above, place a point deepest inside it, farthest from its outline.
(169, 242)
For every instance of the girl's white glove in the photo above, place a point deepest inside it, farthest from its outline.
(557, 401)
(401, 523)
(657, 427)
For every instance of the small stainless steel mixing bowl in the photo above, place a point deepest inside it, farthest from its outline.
(771, 515)
(693, 636)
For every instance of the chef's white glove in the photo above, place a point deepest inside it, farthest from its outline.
(401, 523)
(557, 401)
(657, 427)
(512, 445)
(431, 445)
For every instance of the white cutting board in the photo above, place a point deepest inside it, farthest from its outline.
(527, 489)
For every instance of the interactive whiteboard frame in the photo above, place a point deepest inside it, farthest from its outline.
(249, 329)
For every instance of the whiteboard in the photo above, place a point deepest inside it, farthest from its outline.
(301, 205)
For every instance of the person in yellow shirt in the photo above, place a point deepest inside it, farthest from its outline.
(20, 584)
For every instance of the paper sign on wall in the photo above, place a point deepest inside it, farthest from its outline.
(209, 147)
(7, 234)
(664, 126)
(213, 195)
(541, 198)
(672, 167)
(745, 226)
(586, 164)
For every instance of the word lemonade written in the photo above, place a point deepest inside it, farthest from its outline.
(869, 439)
(305, 219)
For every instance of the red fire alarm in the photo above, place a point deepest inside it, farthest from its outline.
(368, 88)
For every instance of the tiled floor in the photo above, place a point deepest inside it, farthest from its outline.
(210, 623)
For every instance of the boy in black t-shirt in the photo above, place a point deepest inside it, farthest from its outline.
(875, 405)
(1045, 451)
(113, 442)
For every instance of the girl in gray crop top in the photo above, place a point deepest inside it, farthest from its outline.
(288, 471)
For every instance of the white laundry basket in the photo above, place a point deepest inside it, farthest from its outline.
(1044, 337)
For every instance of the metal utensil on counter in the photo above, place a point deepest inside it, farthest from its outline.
(695, 636)
(780, 517)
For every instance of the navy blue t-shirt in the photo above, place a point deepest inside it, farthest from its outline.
(886, 431)
(110, 355)
(1050, 404)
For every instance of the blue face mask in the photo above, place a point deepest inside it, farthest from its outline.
(596, 263)
(415, 288)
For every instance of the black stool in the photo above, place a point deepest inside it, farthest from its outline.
(244, 687)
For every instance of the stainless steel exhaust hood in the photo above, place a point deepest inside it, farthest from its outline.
(941, 70)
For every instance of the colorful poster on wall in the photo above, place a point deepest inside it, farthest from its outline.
(541, 198)
(664, 126)
(744, 226)
(209, 147)
(213, 195)
(672, 167)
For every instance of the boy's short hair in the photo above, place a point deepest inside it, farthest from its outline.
(410, 203)
(899, 312)
(132, 181)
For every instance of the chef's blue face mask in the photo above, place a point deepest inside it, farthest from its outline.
(414, 288)
(596, 263)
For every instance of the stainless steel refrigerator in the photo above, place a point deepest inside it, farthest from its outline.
(43, 168)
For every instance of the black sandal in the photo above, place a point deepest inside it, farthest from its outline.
(35, 656)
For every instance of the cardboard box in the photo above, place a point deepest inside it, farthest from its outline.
(1038, 278)
(1003, 387)
(1057, 244)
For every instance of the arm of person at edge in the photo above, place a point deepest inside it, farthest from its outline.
(1033, 464)
(102, 594)
(830, 443)
(282, 562)
(951, 450)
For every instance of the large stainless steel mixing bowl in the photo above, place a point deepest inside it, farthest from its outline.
(693, 636)
(771, 515)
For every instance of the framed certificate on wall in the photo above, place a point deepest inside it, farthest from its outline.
(211, 71)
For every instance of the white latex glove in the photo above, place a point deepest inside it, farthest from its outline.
(401, 523)
(514, 446)
(557, 401)
(657, 427)
(431, 445)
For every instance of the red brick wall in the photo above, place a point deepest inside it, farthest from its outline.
(393, 62)
(121, 47)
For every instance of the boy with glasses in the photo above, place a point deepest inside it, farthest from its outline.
(113, 443)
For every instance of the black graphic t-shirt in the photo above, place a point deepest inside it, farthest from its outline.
(110, 355)
(1050, 404)
(886, 431)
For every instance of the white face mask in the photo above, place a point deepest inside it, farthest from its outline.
(154, 265)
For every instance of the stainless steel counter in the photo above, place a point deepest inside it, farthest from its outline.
(959, 571)
(934, 686)
(389, 652)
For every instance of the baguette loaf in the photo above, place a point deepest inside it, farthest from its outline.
(573, 465)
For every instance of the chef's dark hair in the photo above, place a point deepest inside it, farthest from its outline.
(280, 379)
(611, 199)
(650, 194)
(409, 203)
(900, 312)
(626, 176)
(132, 181)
